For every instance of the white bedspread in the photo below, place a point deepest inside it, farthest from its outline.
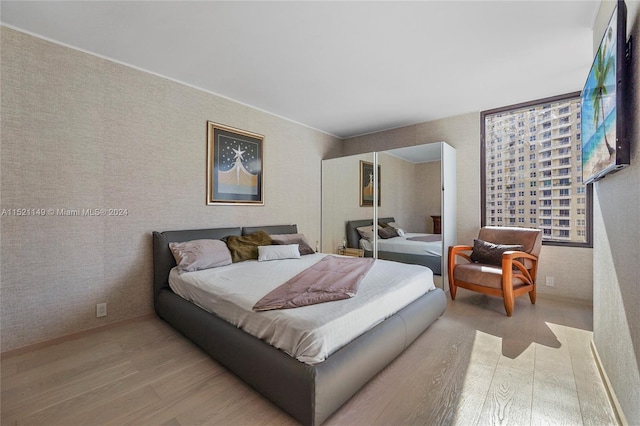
(311, 333)
(402, 245)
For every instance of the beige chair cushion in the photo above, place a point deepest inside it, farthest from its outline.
(483, 275)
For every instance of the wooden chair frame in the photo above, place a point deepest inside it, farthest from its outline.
(509, 261)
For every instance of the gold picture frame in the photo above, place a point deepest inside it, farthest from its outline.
(235, 174)
(366, 184)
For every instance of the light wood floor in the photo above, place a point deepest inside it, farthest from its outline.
(474, 366)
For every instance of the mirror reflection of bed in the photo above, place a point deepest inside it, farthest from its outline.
(416, 184)
(405, 246)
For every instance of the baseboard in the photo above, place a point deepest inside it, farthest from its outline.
(35, 346)
(613, 400)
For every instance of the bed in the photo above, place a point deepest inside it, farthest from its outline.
(399, 249)
(308, 392)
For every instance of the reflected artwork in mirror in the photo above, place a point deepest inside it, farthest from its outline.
(367, 184)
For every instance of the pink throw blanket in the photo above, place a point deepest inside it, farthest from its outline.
(333, 278)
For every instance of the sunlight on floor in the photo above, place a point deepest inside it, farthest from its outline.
(530, 379)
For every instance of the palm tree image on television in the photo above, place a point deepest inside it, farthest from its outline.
(599, 109)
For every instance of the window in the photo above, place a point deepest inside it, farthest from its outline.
(549, 130)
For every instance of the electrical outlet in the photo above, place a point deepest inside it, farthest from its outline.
(101, 310)
(550, 282)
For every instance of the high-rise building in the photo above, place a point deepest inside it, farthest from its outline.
(533, 171)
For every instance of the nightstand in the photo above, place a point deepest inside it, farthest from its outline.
(353, 252)
(437, 224)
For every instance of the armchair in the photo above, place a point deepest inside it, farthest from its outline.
(503, 262)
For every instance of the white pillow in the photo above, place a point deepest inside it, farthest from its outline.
(276, 252)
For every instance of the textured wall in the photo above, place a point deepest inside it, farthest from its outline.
(83, 132)
(616, 268)
(571, 267)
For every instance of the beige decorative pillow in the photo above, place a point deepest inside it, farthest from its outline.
(284, 239)
(196, 255)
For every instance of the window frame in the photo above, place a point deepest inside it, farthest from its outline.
(483, 172)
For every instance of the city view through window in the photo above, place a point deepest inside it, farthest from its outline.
(532, 170)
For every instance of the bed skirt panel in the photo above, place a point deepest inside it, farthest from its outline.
(309, 393)
(282, 379)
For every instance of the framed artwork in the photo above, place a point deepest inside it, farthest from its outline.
(234, 166)
(366, 184)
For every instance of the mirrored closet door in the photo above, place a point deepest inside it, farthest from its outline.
(345, 197)
(415, 187)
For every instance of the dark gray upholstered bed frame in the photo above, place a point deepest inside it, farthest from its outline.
(309, 393)
(353, 240)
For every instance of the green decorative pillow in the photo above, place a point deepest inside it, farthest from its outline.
(245, 247)
(491, 254)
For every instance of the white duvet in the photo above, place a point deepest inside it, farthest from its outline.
(402, 245)
(310, 333)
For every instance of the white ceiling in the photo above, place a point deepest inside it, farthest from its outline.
(346, 68)
(418, 153)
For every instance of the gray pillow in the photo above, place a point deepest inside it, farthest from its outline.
(366, 232)
(196, 255)
(387, 232)
(286, 239)
(490, 253)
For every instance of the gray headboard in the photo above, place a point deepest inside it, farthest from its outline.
(163, 260)
(353, 237)
(272, 229)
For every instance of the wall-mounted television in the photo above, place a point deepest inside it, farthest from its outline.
(604, 115)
